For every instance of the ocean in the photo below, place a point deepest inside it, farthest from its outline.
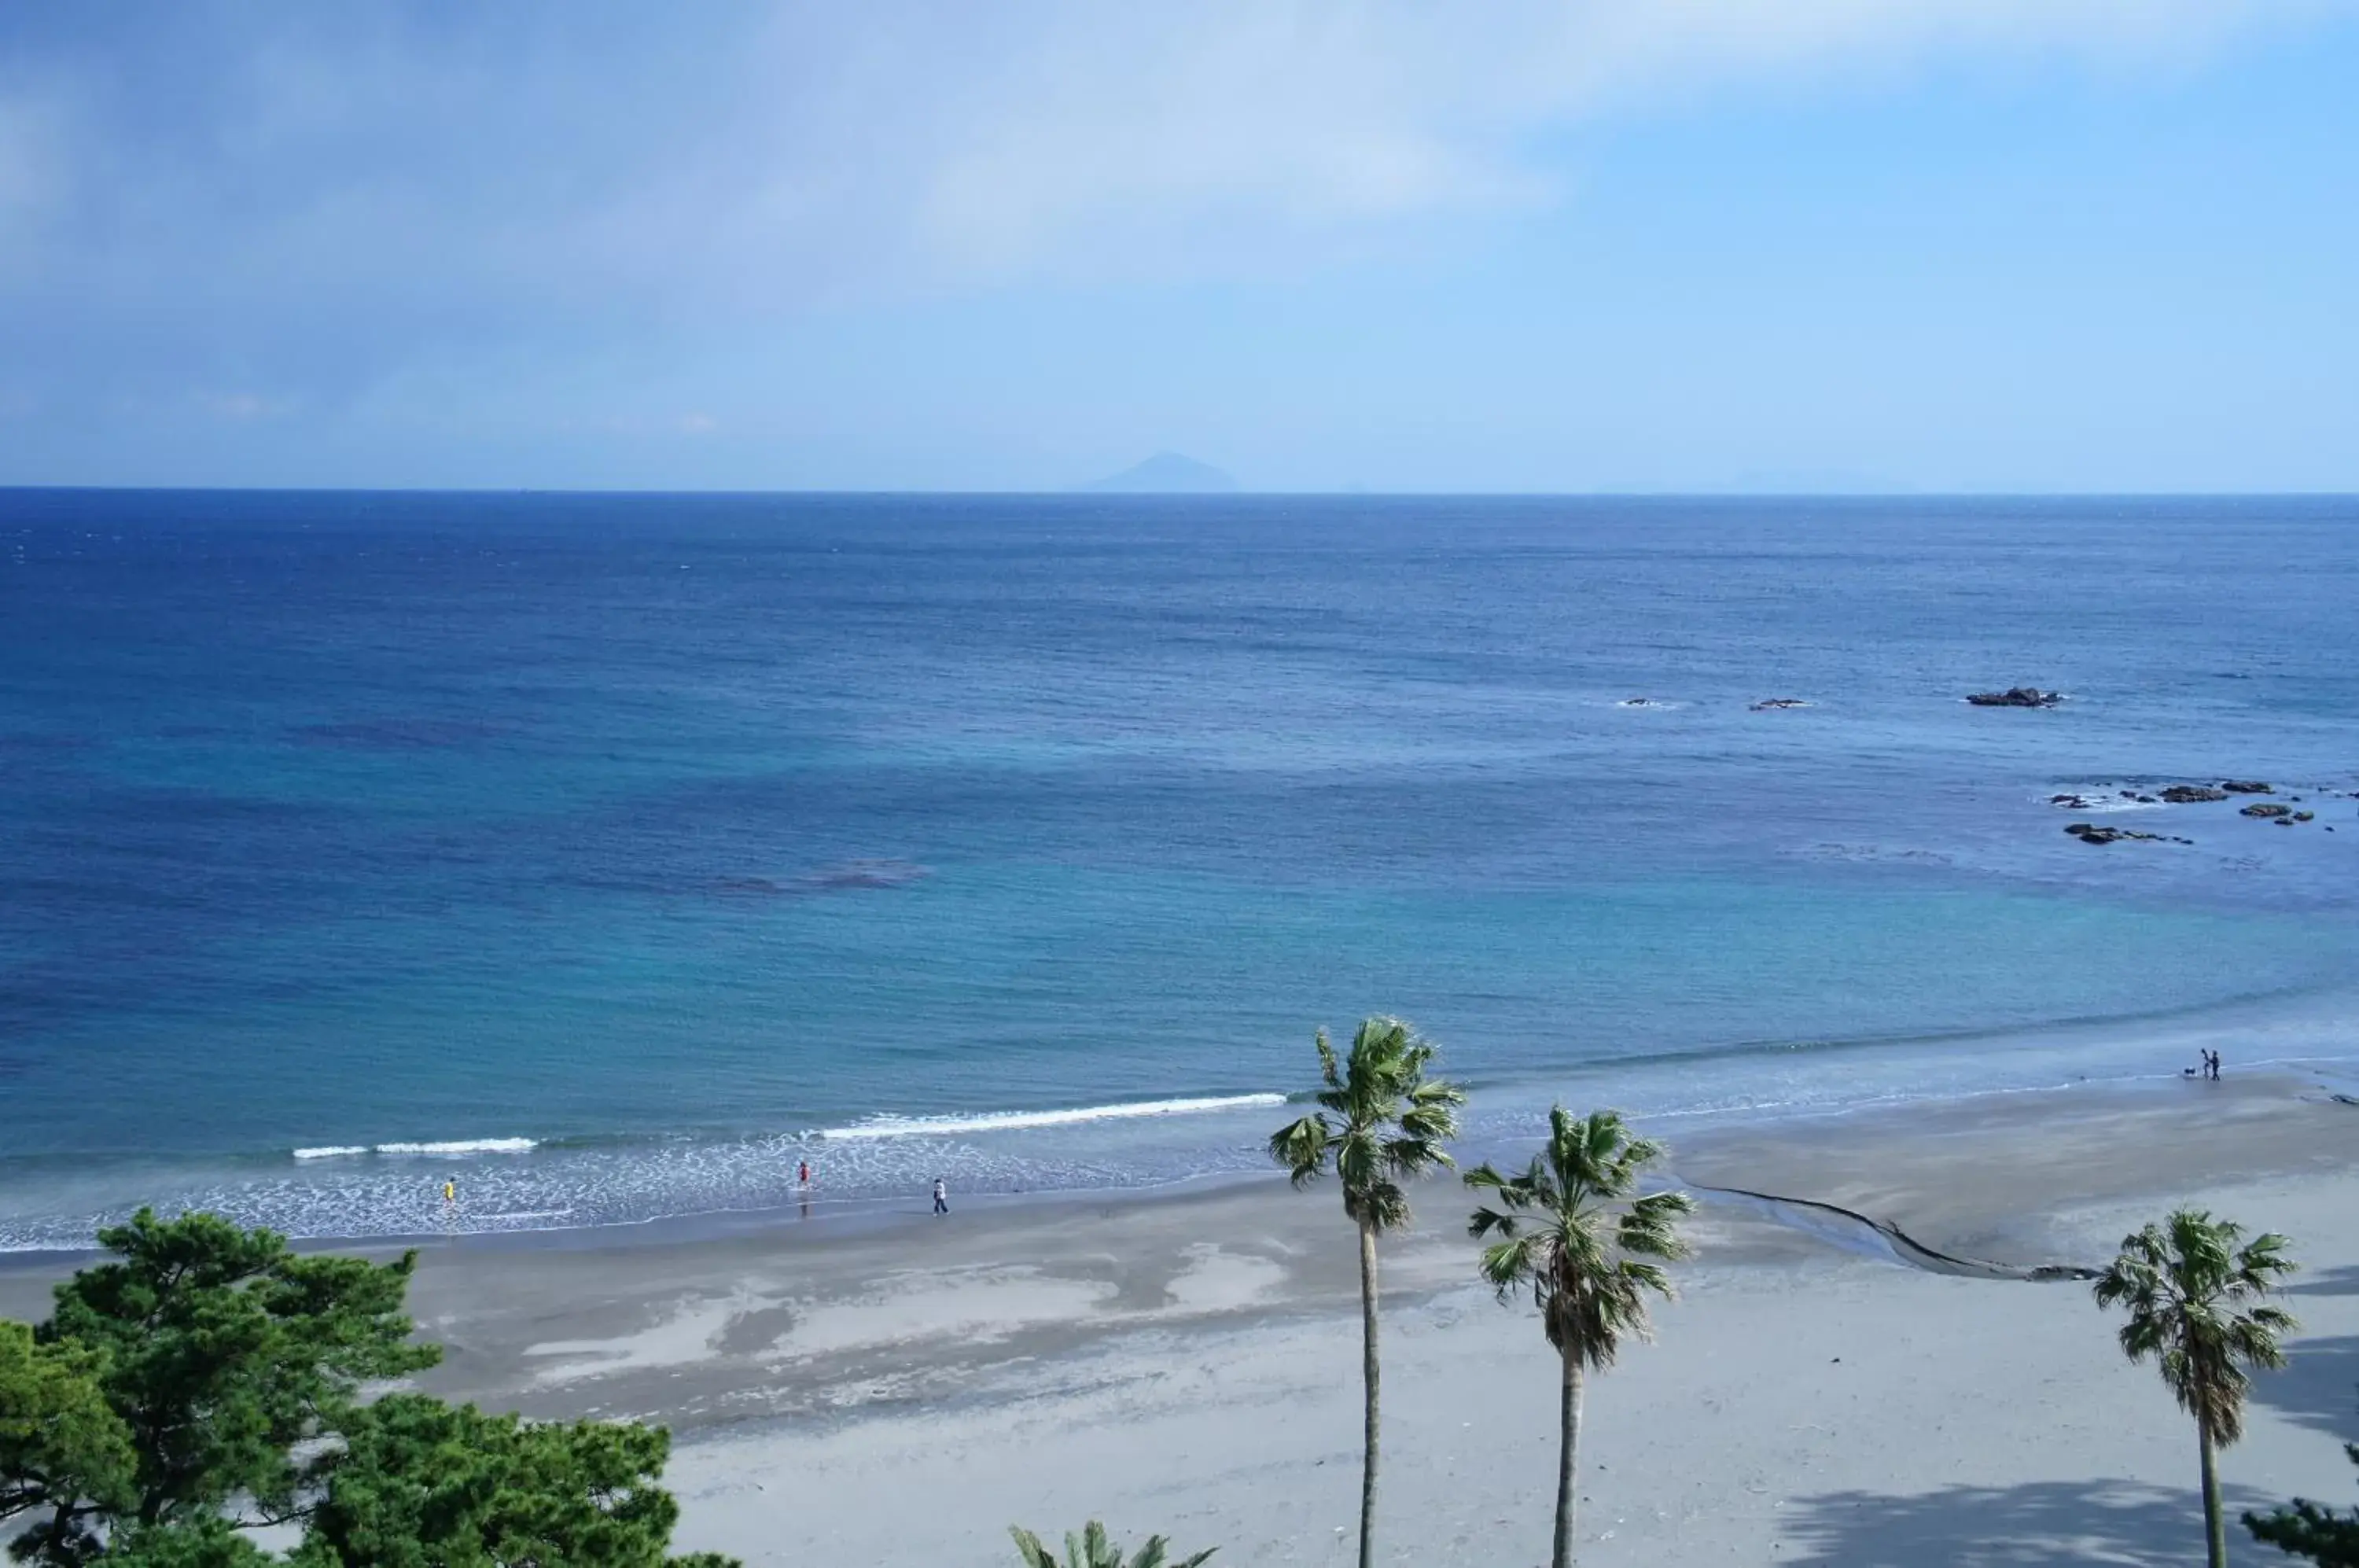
(613, 855)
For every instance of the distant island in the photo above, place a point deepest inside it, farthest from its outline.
(1168, 473)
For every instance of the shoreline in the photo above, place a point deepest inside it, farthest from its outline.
(2312, 1032)
(688, 1185)
(1524, 1100)
(1855, 1180)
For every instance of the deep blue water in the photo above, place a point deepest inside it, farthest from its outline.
(670, 832)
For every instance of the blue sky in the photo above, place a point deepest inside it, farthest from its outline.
(1650, 245)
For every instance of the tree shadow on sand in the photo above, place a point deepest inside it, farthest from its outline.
(2319, 1387)
(2082, 1524)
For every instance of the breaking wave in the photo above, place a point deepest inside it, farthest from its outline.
(1003, 1121)
(454, 1146)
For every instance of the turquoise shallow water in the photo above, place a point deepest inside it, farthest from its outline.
(652, 841)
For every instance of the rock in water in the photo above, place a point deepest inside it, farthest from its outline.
(2016, 697)
(2090, 832)
(2188, 794)
(2267, 809)
(2245, 787)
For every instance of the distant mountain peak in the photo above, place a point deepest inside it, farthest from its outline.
(1166, 472)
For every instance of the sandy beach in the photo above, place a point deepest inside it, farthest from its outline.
(901, 1388)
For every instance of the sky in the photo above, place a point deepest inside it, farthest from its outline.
(1710, 245)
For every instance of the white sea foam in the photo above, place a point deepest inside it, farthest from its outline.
(1002, 1121)
(456, 1146)
(462, 1146)
(514, 1216)
(2099, 801)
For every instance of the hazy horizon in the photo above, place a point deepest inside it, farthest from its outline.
(1088, 493)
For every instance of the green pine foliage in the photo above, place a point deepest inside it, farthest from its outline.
(211, 1543)
(223, 1350)
(209, 1379)
(65, 1453)
(427, 1485)
(2304, 1529)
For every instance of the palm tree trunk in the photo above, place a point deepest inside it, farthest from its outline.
(1568, 1462)
(1368, 1379)
(2216, 1529)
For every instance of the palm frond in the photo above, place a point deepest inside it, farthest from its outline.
(1382, 1122)
(1640, 1152)
(1486, 1223)
(1650, 1228)
(1592, 1251)
(2195, 1295)
(1092, 1548)
(1511, 1262)
(1431, 1125)
(1412, 1156)
(1650, 1277)
(1302, 1146)
(1515, 1192)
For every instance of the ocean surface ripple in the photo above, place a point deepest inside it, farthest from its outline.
(617, 858)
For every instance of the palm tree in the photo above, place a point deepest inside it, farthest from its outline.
(1569, 1229)
(1380, 1122)
(2197, 1302)
(1090, 1549)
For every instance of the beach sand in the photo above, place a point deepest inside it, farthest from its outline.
(900, 1389)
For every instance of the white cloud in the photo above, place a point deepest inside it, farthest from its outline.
(310, 194)
(1140, 137)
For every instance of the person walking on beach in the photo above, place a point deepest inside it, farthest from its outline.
(449, 1193)
(802, 1174)
(942, 1196)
